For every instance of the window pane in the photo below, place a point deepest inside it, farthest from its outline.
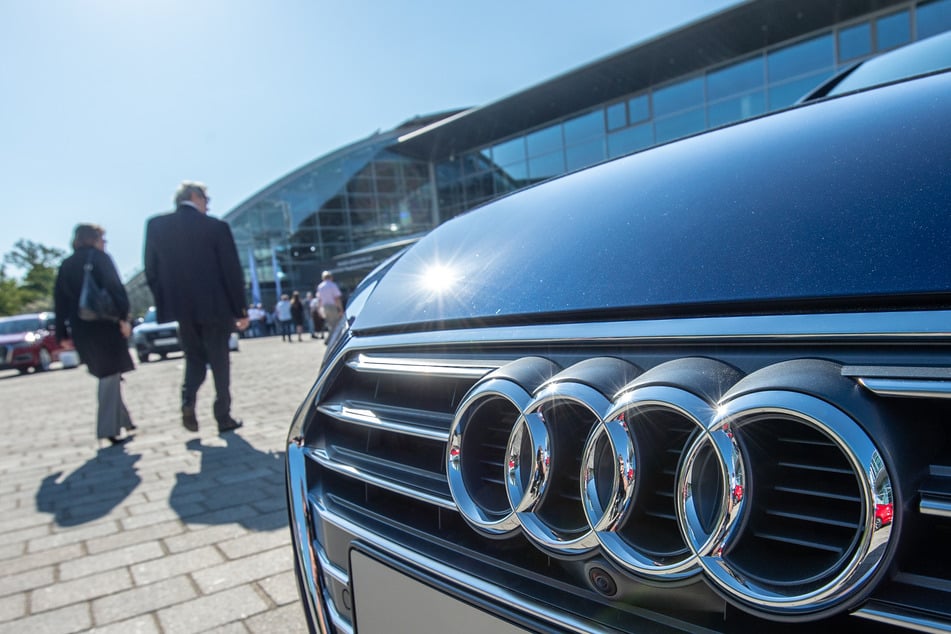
(855, 41)
(737, 108)
(584, 127)
(546, 140)
(678, 97)
(735, 79)
(589, 153)
(617, 116)
(789, 93)
(516, 173)
(801, 58)
(509, 152)
(680, 125)
(546, 166)
(627, 141)
(639, 108)
(934, 18)
(893, 30)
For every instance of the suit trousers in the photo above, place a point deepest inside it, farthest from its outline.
(113, 414)
(207, 345)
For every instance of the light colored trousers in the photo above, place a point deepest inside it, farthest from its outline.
(113, 415)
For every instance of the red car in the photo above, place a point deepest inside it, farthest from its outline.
(883, 515)
(28, 341)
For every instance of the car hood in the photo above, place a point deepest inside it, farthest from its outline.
(803, 204)
(150, 327)
(19, 337)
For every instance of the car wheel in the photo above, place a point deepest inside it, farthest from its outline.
(878, 523)
(45, 360)
(143, 357)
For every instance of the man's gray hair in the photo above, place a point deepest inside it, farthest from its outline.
(187, 188)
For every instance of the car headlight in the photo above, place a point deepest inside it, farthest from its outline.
(31, 337)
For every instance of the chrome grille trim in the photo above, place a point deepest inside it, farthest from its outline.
(902, 618)
(332, 569)
(907, 388)
(934, 506)
(365, 417)
(429, 367)
(323, 459)
(456, 577)
(906, 326)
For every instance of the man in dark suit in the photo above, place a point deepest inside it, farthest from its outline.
(192, 267)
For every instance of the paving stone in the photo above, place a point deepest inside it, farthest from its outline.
(256, 543)
(143, 600)
(202, 536)
(110, 560)
(174, 565)
(11, 584)
(12, 607)
(84, 589)
(140, 625)
(74, 618)
(151, 533)
(247, 569)
(282, 588)
(286, 619)
(212, 611)
(117, 538)
(42, 559)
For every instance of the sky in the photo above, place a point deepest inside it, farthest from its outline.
(107, 105)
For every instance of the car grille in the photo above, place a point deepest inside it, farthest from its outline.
(719, 473)
(162, 334)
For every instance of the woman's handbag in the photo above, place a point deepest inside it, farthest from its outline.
(95, 302)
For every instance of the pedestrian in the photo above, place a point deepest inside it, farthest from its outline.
(270, 320)
(329, 300)
(297, 314)
(308, 316)
(256, 320)
(102, 344)
(317, 318)
(192, 267)
(282, 313)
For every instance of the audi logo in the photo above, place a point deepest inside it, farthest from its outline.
(765, 485)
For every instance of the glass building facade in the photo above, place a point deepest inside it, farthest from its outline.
(348, 210)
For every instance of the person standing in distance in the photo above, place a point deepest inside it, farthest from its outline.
(329, 300)
(192, 267)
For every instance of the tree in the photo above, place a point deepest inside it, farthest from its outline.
(10, 298)
(35, 291)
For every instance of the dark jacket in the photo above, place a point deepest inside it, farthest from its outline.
(99, 343)
(192, 267)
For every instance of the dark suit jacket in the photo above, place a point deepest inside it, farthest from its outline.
(100, 344)
(192, 267)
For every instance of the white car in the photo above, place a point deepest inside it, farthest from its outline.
(149, 337)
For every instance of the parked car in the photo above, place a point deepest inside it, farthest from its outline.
(533, 419)
(883, 515)
(150, 337)
(28, 341)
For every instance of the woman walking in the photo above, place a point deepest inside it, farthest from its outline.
(101, 344)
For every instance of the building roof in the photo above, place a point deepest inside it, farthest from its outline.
(745, 28)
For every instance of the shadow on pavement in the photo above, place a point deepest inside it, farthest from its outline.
(93, 490)
(237, 484)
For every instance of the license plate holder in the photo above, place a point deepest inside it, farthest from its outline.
(388, 600)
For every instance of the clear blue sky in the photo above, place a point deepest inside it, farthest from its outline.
(106, 105)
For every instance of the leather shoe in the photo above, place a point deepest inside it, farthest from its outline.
(115, 440)
(189, 420)
(229, 425)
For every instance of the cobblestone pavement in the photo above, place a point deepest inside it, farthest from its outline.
(170, 532)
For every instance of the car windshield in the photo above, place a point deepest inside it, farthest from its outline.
(930, 55)
(14, 326)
